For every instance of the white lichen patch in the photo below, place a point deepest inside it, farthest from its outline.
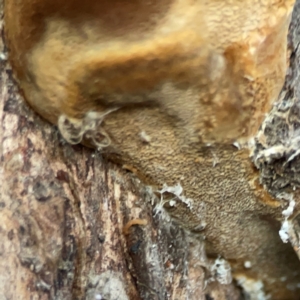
(253, 288)
(221, 271)
(284, 231)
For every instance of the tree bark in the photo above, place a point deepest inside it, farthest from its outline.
(276, 152)
(63, 212)
(66, 213)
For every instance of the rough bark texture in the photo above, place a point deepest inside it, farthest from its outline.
(277, 145)
(63, 211)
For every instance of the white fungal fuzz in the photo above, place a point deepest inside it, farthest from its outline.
(175, 190)
(159, 210)
(3, 56)
(237, 145)
(287, 226)
(172, 203)
(145, 137)
(70, 129)
(290, 209)
(74, 130)
(253, 288)
(221, 271)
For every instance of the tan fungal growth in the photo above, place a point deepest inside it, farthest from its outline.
(167, 88)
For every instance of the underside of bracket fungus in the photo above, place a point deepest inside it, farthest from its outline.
(175, 91)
